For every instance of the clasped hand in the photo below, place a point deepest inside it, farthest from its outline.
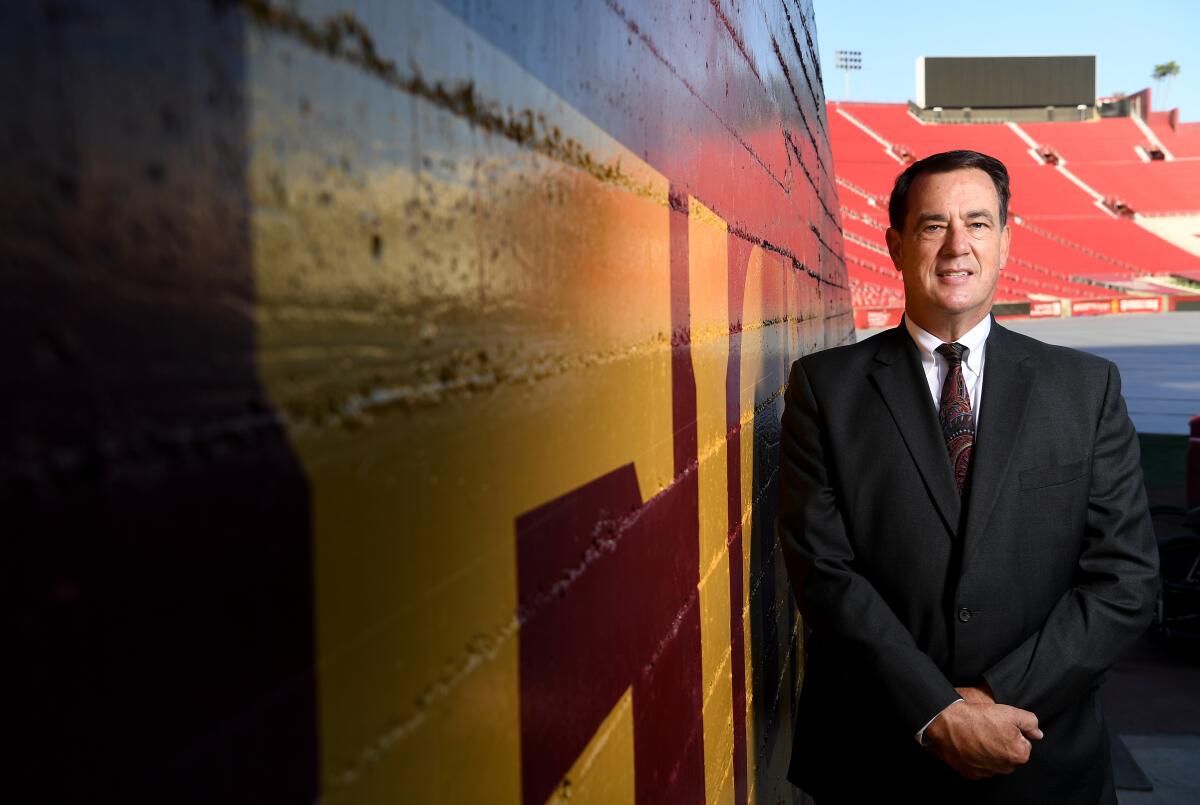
(979, 738)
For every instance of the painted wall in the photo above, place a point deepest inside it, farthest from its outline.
(395, 395)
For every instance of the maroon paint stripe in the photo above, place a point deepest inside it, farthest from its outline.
(681, 669)
(737, 637)
(739, 258)
(683, 383)
(607, 599)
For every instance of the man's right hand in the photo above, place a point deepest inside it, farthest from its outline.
(978, 738)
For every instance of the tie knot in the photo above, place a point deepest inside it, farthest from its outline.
(953, 353)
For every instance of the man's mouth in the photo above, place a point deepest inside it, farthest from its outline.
(954, 273)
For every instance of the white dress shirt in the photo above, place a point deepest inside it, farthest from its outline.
(936, 367)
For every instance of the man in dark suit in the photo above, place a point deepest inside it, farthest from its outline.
(965, 528)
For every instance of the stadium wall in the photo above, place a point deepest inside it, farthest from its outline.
(397, 396)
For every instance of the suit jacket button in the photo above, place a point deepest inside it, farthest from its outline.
(964, 614)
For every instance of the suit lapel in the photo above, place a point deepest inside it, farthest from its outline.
(1007, 382)
(901, 382)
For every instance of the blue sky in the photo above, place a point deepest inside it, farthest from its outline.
(1127, 38)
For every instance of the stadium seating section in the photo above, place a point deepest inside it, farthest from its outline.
(1182, 140)
(1076, 234)
(1110, 140)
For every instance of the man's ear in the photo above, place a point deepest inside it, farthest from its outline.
(1005, 242)
(894, 242)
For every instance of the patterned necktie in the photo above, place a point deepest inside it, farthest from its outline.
(958, 423)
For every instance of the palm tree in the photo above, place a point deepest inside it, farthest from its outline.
(1165, 72)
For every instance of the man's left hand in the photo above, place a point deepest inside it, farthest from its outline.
(983, 695)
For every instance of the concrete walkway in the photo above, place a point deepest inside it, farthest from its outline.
(1159, 359)
(1152, 702)
(1169, 761)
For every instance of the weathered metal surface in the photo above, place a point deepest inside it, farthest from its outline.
(399, 393)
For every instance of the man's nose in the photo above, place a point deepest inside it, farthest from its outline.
(957, 241)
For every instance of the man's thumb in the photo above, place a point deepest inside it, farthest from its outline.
(1027, 722)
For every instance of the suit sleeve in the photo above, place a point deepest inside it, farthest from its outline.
(832, 595)
(1116, 581)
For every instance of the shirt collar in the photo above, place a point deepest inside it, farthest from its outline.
(972, 339)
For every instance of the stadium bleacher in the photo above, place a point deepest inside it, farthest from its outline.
(1107, 140)
(893, 122)
(1040, 190)
(1122, 240)
(1048, 248)
(1182, 139)
(1068, 245)
(1147, 186)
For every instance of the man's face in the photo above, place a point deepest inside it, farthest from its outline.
(952, 248)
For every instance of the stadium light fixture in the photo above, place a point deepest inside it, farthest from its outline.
(847, 60)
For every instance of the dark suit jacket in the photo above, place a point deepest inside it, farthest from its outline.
(1035, 582)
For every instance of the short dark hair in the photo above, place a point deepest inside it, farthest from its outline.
(944, 163)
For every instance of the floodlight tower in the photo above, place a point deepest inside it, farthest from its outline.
(847, 60)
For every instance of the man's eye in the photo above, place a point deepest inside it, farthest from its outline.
(979, 225)
(933, 228)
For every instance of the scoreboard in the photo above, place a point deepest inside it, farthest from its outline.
(982, 82)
